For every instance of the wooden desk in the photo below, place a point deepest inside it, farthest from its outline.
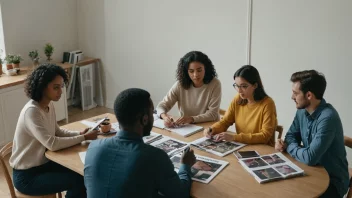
(233, 181)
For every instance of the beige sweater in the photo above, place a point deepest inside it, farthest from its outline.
(37, 131)
(201, 103)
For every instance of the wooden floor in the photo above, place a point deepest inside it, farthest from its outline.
(74, 114)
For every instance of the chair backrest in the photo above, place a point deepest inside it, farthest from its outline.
(279, 129)
(348, 143)
(3, 153)
(222, 112)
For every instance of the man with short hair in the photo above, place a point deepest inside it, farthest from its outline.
(123, 166)
(318, 126)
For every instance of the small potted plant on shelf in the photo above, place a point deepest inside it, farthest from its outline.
(48, 50)
(16, 60)
(8, 60)
(34, 57)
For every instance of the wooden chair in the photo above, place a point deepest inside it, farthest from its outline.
(279, 129)
(348, 143)
(15, 193)
(222, 112)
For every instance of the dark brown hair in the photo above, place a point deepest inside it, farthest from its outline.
(251, 74)
(312, 81)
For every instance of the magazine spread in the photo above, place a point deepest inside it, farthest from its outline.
(221, 148)
(169, 145)
(271, 167)
(152, 137)
(205, 168)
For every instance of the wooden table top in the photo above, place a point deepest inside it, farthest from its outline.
(233, 181)
(8, 81)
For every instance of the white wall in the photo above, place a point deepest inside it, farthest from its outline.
(29, 25)
(290, 36)
(144, 41)
(141, 42)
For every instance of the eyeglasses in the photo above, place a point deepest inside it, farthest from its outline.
(238, 87)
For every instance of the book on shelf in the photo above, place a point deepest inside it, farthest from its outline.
(271, 167)
(219, 148)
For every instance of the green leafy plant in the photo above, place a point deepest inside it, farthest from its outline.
(9, 59)
(34, 55)
(48, 50)
(16, 59)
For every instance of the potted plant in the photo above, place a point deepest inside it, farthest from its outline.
(34, 57)
(8, 60)
(48, 50)
(16, 59)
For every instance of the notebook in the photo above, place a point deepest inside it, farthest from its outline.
(183, 130)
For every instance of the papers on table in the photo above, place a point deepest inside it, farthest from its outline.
(221, 148)
(82, 156)
(271, 167)
(183, 130)
(169, 145)
(205, 168)
(152, 137)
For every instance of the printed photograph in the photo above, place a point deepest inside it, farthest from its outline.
(268, 173)
(254, 162)
(201, 170)
(220, 147)
(170, 145)
(285, 169)
(273, 159)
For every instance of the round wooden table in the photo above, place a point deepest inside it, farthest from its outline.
(233, 181)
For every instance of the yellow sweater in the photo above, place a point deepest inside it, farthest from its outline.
(255, 123)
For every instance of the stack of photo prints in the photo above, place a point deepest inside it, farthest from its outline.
(271, 167)
(221, 148)
(205, 168)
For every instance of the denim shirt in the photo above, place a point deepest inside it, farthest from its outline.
(321, 134)
(123, 166)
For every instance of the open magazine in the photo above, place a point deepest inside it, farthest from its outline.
(152, 137)
(205, 168)
(183, 130)
(169, 145)
(271, 167)
(221, 148)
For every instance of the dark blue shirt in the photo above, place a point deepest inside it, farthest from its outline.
(123, 166)
(322, 136)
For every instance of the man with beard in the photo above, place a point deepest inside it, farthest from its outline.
(316, 134)
(123, 166)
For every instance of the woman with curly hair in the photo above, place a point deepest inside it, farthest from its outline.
(197, 92)
(252, 111)
(38, 131)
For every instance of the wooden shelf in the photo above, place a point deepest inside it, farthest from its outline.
(8, 81)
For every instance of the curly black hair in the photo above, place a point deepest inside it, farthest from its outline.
(39, 79)
(183, 65)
